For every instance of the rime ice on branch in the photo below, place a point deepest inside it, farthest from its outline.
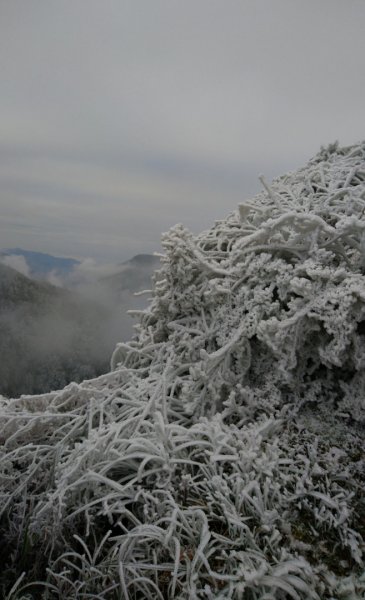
(223, 456)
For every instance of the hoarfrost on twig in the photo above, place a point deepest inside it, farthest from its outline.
(223, 455)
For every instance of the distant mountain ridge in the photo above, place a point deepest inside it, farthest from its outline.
(41, 264)
(142, 260)
(128, 275)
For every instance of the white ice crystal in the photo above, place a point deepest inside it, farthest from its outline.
(223, 456)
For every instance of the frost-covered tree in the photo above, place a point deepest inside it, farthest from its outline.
(223, 455)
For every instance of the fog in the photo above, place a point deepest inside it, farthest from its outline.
(18, 263)
(52, 335)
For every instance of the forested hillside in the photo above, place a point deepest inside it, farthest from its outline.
(48, 336)
(223, 457)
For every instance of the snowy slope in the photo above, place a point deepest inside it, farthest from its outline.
(224, 455)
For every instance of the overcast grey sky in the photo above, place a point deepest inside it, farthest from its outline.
(121, 118)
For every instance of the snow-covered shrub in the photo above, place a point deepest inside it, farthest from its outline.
(223, 455)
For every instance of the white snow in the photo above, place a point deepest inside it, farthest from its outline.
(223, 457)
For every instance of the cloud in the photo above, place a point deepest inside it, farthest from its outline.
(16, 262)
(89, 272)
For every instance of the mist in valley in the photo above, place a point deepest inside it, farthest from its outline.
(64, 328)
